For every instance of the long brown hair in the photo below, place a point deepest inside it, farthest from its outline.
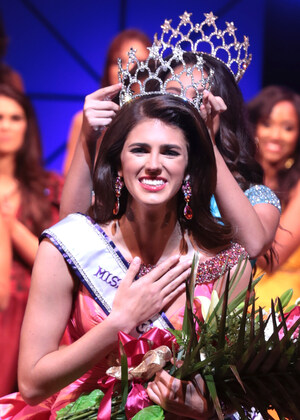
(33, 179)
(201, 165)
(234, 138)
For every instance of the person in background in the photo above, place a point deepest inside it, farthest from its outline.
(275, 115)
(239, 197)
(29, 202)
(119, 47)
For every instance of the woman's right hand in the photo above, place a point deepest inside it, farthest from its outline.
(99, 110)
(137, 301)
(181, 398)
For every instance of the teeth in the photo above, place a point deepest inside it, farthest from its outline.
(154, 182)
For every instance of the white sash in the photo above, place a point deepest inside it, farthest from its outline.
(96, 261)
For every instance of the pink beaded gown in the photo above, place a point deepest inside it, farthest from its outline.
(87, 312)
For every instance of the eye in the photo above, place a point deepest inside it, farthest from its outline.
(266, 124)
(17, 118)
(289, 128)
(139, 150)
(170, 152)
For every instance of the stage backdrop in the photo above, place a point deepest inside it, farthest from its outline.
(59, 46)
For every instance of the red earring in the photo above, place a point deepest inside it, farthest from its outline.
(118, 187)
(187, 192)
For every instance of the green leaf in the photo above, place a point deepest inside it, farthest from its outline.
(153, 412)
(86, 404)
(211, 387)
(285, 299)
(124, 376)
(222, 332)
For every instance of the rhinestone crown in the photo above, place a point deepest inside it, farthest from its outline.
(208, 39)
(155, 73)
(223, 45)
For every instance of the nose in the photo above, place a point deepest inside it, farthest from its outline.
(153, 164)
(275, 133)
(4, 123)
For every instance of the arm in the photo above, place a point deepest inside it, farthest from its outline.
(44, 367)
(287, 238)
(5, 264)
(22, 239)
(255, 226)
(98, 112)
(72, 140)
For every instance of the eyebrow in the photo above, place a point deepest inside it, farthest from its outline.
(169, 145)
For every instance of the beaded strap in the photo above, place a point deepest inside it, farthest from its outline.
(211, 269)
(260, 194)
(145, 269)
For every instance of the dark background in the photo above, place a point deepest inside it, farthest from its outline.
(59, 46)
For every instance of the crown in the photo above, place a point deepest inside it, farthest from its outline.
(153, 76)
(208, 39)
(222, 45)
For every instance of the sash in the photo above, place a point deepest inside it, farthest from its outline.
(96, 262)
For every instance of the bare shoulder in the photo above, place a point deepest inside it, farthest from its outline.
(50, 269)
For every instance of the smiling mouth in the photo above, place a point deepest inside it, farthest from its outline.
(153, 184)
(273, 147)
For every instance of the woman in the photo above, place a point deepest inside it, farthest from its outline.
(120, 45)
(29, 200)
(275, 115)
(256, 211)
(239, 197)
(154, 147)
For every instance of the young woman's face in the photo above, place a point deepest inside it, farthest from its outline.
(153, 162)
(278, 135)
(13, 126)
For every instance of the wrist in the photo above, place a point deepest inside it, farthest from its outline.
(121, 322)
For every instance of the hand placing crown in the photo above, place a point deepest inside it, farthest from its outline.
(166, 65)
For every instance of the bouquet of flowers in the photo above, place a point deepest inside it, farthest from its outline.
(249, 359)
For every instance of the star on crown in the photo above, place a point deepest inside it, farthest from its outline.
(159, 66)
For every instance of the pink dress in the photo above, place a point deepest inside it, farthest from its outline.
(85, 315)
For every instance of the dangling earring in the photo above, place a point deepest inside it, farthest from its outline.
(289, 163)
(118, 186)
(187, 192)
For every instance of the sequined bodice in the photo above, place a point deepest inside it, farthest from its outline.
(210, 269)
